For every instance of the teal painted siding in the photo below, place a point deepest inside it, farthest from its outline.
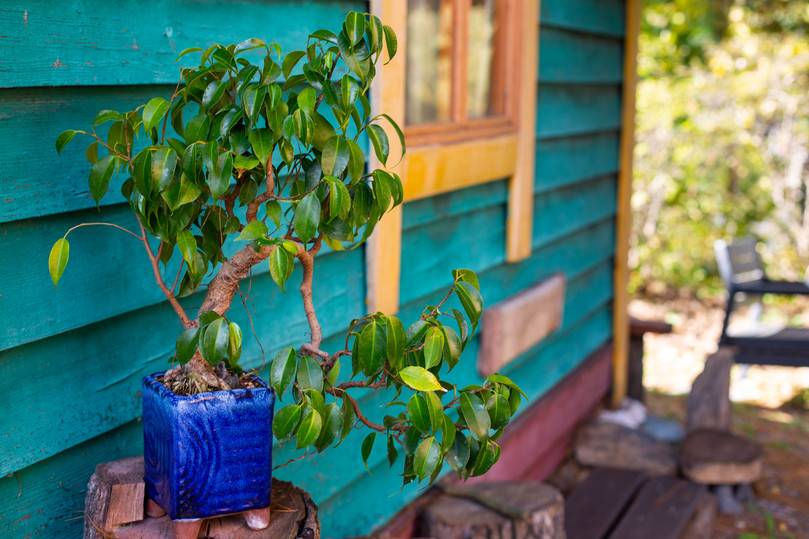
(90, 341)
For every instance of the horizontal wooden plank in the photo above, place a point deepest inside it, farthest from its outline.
(80, 43)
(34, 179)
(594, 16)
(572, 109)
(558, 213)
(573, 57)
(563, 161)
(448, 205)
(47, 499)
(98, 369)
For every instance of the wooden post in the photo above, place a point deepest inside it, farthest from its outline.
(623, 224)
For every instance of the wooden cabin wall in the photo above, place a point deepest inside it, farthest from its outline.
(71, 358)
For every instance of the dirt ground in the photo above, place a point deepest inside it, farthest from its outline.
(761, 411)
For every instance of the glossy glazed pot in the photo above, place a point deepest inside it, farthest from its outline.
(207, 454)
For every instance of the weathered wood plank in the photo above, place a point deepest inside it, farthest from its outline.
(80, 43)
(573, 57)
(596, 504)
(449, 205)
(519, 322)
(594, 16)
(571, 109)
(563, 161)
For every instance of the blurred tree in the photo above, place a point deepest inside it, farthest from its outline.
(722, 138)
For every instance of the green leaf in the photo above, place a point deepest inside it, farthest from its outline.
(153, 112)
(379, 140)
(475, 415)
(470, 299)
(307, 217)
(189, 50)
(186, 345)
(282, 370)
(395, 341)
(234, 342)
(356, 161)
(106, 116)
(332, 421)
(274, 211)
(466, 275)
(339, 198)
(309, 429)
(290, 60)
(427, 457)
(261, 141)
(285, 421)
(65, 137)
(354, 26)
(310, 374)
(213, 93)
(433, 347)
(458, 456)
(100, 175)
(391, 42)
(372, 347)
(435, 411)
(399, 133)
(348, 418)
(252, 231)
(367, 446)
(57, 259)
(499, 410)
(335, 156)
(420, 379)
(244, 162)
(393, 454)
(488, 454)
(334, 372)
(187, 245)
(215, 340)
(505, 380)
(281, 263)
(252, 101)
(219, 177)
(453, 346)
(307, 99)
(419, 413)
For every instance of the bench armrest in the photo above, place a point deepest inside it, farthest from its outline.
(785, 288)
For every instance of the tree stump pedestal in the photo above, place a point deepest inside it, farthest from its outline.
(116, 507)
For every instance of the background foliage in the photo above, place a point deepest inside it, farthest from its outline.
(722, 139)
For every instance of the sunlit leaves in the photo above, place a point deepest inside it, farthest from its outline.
(475, 415)
(310, 374)
(65, 137)
(153, 112)
(420, 379)
(309, 429)
(427, 457)
(57, 259)
(281, 263)
(286, 420)
(186, 345)
(283, 370)
(335, 156)
(433, 347)
(100, 175)
(379, 140)
(307, 217)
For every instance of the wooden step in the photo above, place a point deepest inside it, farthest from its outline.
(595, 506)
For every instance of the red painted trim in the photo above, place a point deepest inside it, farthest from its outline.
(535, 444)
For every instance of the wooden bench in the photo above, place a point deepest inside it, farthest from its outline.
(743, 272)
(626, 504)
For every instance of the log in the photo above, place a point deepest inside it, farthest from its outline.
(514, 509)
(114, 509)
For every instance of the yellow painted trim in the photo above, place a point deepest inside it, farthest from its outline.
(447, 167)
(620, 353)
(383, 252)
(519, 225)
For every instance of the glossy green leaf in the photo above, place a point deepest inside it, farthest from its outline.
(499, 410)
(348, 418)
(420, 379)
(487, 455)
(391, 42)
(427, 457)
(354, 26)
(234, 342)
(335, 156)
(290, 60)
(282, 370)
(372, 347)
(433, 347)
(395, 342)
(475, 415)
(306, 99)
(105, 116)
(470, 299)
(307, 217)
(339, 199)
(214, 341)
(418, 412)
(309, 429)
(379, 140)
(100, 175)
(213, 93)
(466, 275)
(332, 422)
(458, 456)
(153, 112)
(252, 231)
(187, 245)
(356, 161)
(63, 139)
(286, 420)
(281, 263)
(505, 380)
(186, 345)
(261, 141)
(57, 259)
(310, 374)
(393, 454)
(367, 447)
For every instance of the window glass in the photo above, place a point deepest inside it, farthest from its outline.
(480, 58)
(429, 61)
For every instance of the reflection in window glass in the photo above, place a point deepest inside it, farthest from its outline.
(429, 61)
(480, 56)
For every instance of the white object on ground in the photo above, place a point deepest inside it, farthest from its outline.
(630, 414)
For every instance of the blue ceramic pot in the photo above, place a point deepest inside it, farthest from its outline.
(207, 454)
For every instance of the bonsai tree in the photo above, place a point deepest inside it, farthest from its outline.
(257, 157)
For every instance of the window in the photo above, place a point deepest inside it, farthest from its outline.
(460, 67)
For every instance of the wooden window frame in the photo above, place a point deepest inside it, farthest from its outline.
(504, 82)
(442, 162)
